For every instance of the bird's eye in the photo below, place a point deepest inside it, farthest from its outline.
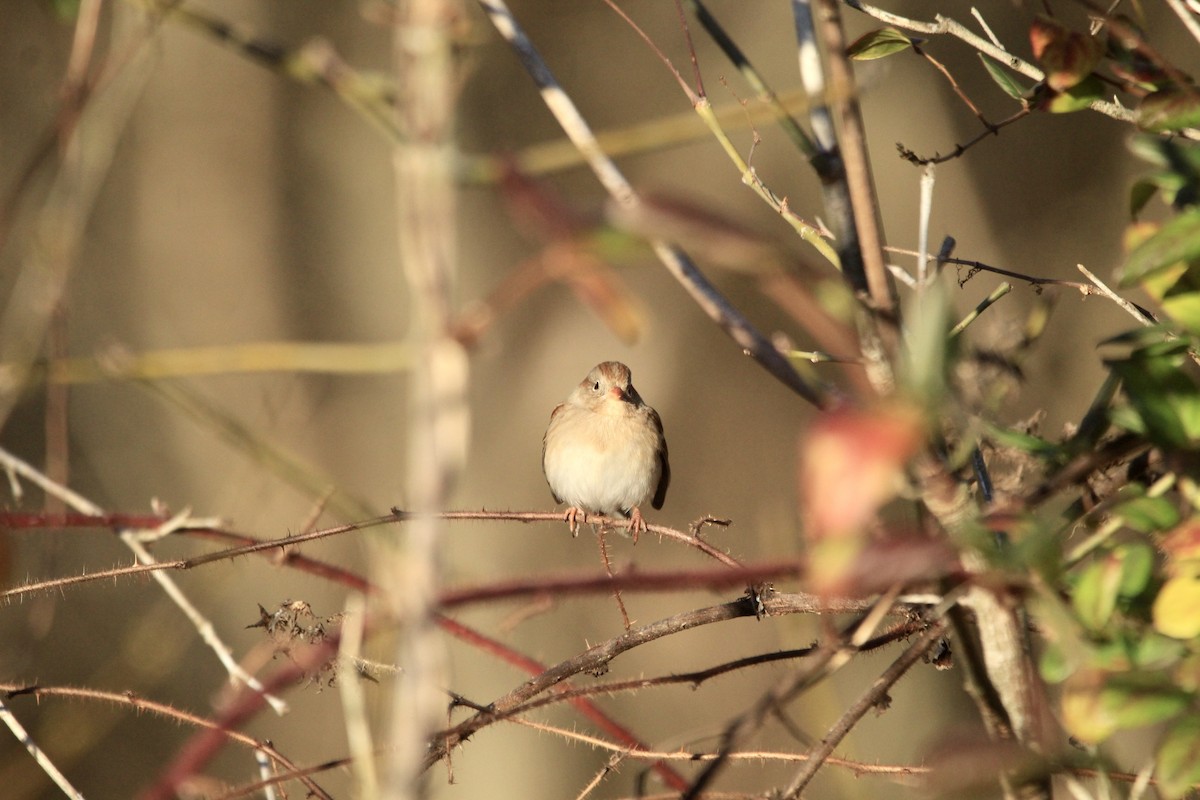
(596, 386)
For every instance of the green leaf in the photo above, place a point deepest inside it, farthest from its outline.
(878, 44)
(929, 348)
(1149, 650)
(1019, 440)
(1169, 111)
(1137, 568)
(1007, 83)
(1149, 514)
(1162, 393)
(1177, 240)
(1142, 337)
(1140, 195)
(1177, 763)
(1097, 704)
(1054, 665)
(1095, 596)
(1078, 97)
(1185, 310)
(1178, 163)
(1149, 148)
(1125, 417)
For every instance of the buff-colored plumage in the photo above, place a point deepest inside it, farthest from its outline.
(604, 452)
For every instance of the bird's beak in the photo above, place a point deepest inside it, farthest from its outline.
(618, 393)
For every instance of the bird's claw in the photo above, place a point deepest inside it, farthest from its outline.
(636, 524)
(573, 517)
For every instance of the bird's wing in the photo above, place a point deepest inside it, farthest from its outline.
(664, 480)
(558, 408)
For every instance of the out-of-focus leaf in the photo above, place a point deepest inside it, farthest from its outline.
(1177, 607)
(1097, 704)
(1076, 98)
(1159, 284)
(1169, 110)
(1177, 763)
(1067, 56)
(1124, 57)
(1185, 310)
(1149, 148)
(1164, 396)
(928, 351)
(1178, 163)
(1182, 545)
(1144, 336)
(1177, 289)
(1068, 647)
(1150, 650)
(1054, 665)
(878, 44)
(1177, 240)
(65, 10)
(1149, 514)
(1020, 440)
(1186, 670)
(1137, 567)
(1140, 195)
(851, 462)
(1007, 83)
(1095, 595)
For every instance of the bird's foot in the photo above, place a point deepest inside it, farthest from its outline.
(573, 516)
(636, 523)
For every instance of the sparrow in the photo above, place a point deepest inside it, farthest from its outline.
(604, 451)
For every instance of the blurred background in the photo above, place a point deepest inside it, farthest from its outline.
(243, 206)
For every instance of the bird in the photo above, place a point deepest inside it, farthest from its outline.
(604, 451)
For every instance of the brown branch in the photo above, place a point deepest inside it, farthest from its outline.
(142, 705)
(22, 521)
(865, 702)
(856, 161)
(697, 678)
(535, 668)
(991, 129)
(590, 660)
(645, 581)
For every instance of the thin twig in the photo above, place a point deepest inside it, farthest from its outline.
(143, 706)
(203, 625)
(984, 304)
(718, 308)
(1186, 18)
(753, 77)
(354, 704)
(43, 761)
(602, 539)
(1139, 314)
(865, 702)
(993, 129)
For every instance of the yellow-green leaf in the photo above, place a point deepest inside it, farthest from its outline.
(1095, 594)
(1076, 97)
(878, 44)
(1177, 763)
(1097, 704)
(1177, 240)
(1177, 607)
(1007, 83)
(1169, 110)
